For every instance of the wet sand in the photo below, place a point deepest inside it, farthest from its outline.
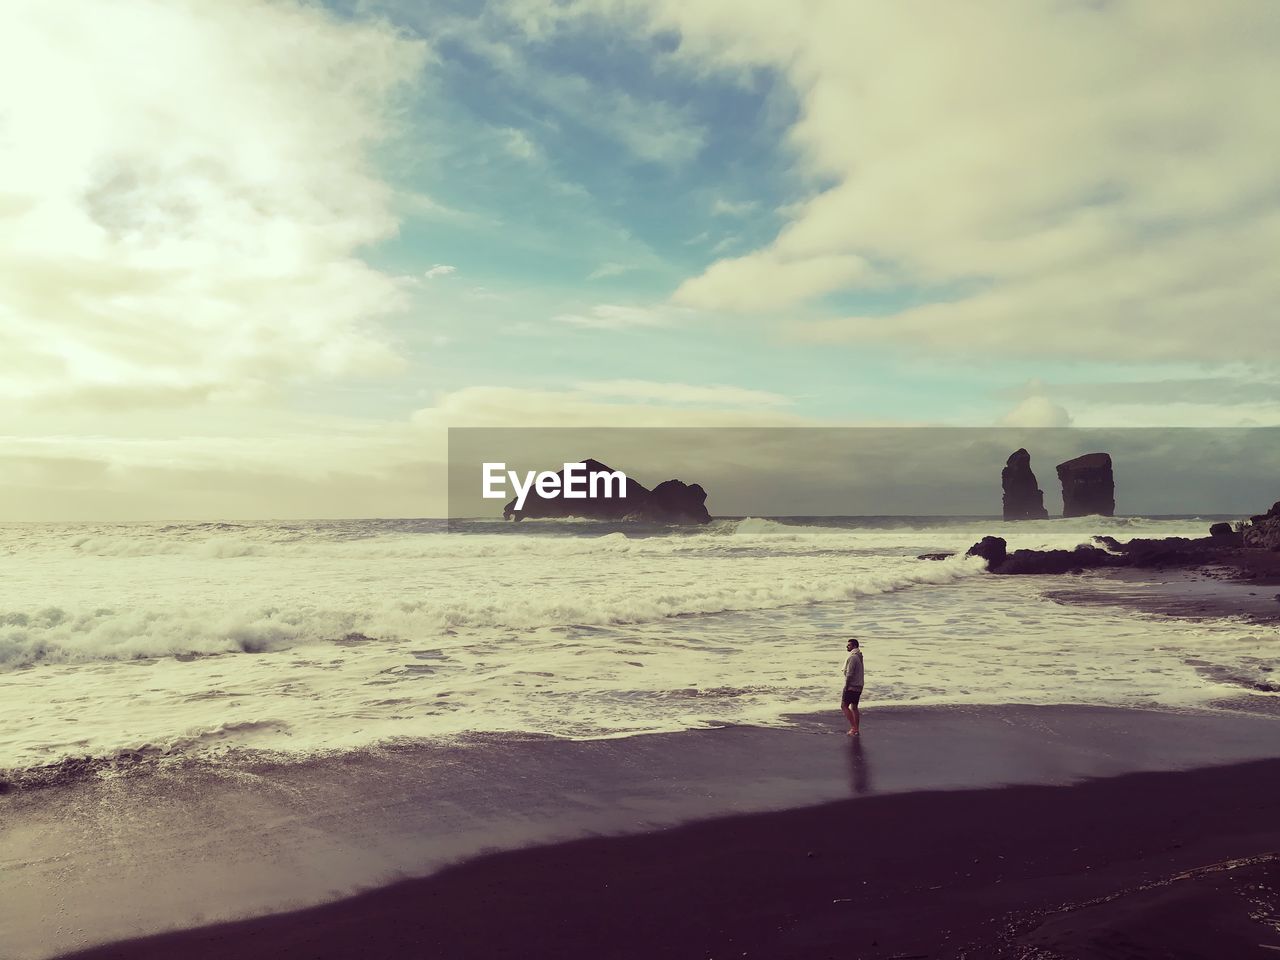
(1101, 869)
(130, 857)
(1186, 594)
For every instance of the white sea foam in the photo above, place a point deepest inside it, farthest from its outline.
(233, 621)
(297, 638)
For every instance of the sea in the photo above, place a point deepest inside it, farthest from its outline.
(124, 643)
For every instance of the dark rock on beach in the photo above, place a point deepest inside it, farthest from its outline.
(995, 551)
(672, 501)
(1023, 498)
(1059, 561)
(1224, 533)
(1088, 486)
(1263, 531)
(1250, 553)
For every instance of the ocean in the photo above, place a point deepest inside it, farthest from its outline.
(129, 642)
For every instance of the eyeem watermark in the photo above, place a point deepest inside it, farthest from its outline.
(575, 482)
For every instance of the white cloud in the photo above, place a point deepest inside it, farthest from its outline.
(726, 243)
(1080, 178)
(414, 203)
(721, 207)
(1206, 415)
(166, 465)
(519, 144)
(613, 316)
(1037, 411)
(715, 395)
(440, 270)
(163, 464)
(1187, 396)
(764, 281)
(620, 404)
(186, 188)
(607, 270)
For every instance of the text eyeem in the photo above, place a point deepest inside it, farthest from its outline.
(575, 483)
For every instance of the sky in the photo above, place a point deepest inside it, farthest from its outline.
(257, 256)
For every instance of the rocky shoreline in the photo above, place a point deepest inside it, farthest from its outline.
(1248, 551)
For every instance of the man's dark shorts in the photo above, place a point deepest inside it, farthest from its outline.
(850, 697)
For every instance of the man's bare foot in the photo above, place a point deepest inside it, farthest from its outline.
(852, 733)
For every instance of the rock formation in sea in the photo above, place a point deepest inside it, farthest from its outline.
(995, 551)
(672, 501)
(1088, 486)
(683, 502)
(1023, 498)
(991, 549)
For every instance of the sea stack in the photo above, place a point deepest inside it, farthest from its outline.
(1023, 498)
(671, 501)
(674, 501)
(1088, 487)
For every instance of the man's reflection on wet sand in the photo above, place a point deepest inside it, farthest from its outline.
(859, 766)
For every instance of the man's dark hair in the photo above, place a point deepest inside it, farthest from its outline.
(854, 641)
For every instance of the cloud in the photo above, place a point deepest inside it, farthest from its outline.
(607, 270)
(519, 145)
(613, 316)
(162, 464)
(762, 281)
(1037, 411)
(440, 270)
(726, 243)
(1041, 176)
(1238, 388)
(717, 395)
(189, 222)
(1200, 415)
(732, 208)
(1230, 397)
(167, 465)
(419, 205)
(609, 404)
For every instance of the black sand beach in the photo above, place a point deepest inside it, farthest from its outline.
(1198, 594)
(1149, 865)
(939, 828)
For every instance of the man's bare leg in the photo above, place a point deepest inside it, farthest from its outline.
(851, 714)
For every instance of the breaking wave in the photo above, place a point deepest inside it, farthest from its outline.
(57, 635)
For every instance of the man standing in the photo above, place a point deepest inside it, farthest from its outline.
(852, 686)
